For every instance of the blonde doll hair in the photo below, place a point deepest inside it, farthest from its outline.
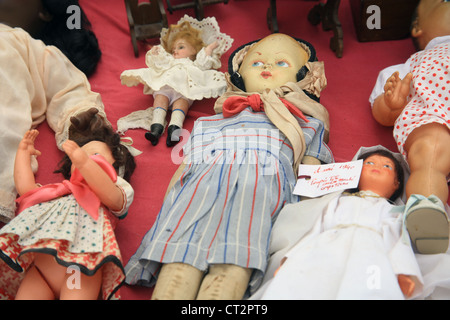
(182, 31)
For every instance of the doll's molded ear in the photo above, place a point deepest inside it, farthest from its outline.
(416, 31)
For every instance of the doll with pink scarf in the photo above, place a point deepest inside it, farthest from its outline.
(61, 245)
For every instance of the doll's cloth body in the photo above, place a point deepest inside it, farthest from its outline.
(62, 228)
(38, 83)
(430, 92)
(237, 178)
(352, 249)
(195, 80)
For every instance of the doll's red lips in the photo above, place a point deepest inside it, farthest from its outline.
(266, 74)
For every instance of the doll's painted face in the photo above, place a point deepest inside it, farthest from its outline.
(432, 21)
(379, 175)
(272, 62)
(183, 49)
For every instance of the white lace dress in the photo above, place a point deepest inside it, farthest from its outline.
(195, 80)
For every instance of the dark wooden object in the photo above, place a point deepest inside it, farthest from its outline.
(146, 20)
(196, 4)
(327, 13)
(395, 16)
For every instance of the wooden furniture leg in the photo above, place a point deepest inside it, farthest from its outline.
(327, 13)
(196, 4)
(272, 22)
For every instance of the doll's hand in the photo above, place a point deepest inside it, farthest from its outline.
(406, 284)
(210, 48)
(396, 91)
(27, 143)
(77, 155)
(155, 50)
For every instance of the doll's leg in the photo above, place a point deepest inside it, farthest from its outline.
(160, 104)
(179, 110)
(43, 278)
(177, 281)
(225, 282)
(34, 287)
(78, 286)
(429, 161)
(49, 280)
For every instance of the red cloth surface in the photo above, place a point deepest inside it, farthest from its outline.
(350, 82)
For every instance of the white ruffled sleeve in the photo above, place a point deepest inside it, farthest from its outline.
(158, 59)
(205, 62)
(128, 196)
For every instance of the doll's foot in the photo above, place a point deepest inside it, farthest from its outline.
(173, 135)
(427, 225)
(155, 133)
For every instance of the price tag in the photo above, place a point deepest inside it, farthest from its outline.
(317, 180)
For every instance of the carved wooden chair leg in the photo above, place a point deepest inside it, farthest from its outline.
(272, 22)
(327, 13)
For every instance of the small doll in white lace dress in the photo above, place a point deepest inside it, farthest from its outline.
(180, 70)
(62, 245)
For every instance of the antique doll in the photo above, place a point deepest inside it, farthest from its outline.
(414, 98)
(68, 227)
(179, 71)
(210, 238)
(345, 245)
(38, 83)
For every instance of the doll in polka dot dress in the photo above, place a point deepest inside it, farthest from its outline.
(62, 245)
(416, 103)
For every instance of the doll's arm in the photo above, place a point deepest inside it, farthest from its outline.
(97, 179)
(23, 174)
(210, 48)
(158, 59)
(388, 106)
(407, 285)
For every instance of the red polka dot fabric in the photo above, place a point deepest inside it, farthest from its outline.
(430, 93)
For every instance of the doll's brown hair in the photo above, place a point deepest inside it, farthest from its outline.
(124, 161)
(182, 31)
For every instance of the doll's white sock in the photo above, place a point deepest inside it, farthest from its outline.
(159, 115)
(177, 118)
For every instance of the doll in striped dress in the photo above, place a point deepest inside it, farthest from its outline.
(210, 239)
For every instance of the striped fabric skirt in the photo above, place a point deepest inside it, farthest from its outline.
(238, 177)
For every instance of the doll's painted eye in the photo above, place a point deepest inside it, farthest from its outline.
(283, 64)
(388, 166)
(257, 64)
(369, 163)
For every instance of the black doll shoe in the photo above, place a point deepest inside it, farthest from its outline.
(155, 133)
(173, 135)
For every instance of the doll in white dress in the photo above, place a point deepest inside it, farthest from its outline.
(62, 245)
(180, 70)
(345, 245)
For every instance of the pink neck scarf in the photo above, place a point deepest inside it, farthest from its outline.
(87, 199)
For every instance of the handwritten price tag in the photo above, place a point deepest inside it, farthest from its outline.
(317, 180)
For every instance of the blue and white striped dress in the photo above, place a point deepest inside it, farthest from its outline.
(221, 210)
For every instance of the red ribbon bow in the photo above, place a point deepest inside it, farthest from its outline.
(236, 104)
(87, 199)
